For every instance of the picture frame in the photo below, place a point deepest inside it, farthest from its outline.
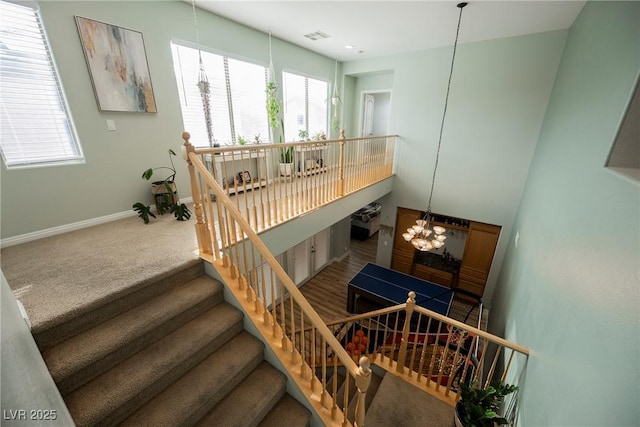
(117, 63)
(244, 176)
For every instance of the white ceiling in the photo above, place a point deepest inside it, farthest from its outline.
(377, 28)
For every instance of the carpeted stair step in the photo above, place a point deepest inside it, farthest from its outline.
(400, 403)
(250, 401)
(199, 390)
(115, 394)
(77, 360)
(58, 329)
(287, 412)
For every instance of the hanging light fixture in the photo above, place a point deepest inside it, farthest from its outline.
(423, 236)
(203, 83)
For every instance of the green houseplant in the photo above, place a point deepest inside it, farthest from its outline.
(165, 195)
(479, 407)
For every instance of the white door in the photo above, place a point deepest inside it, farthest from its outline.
(320, 250)
(367, 115)
(301, 262)
(307, 258)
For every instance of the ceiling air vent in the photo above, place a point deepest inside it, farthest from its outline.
(317, 36)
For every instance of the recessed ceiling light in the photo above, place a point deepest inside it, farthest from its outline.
(348, 46)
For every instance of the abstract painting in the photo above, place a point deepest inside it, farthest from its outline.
(118, 67)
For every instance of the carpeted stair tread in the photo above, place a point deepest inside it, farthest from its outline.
(287, 412)
(250, 401)
(401, 404)
(113, 395)
(78, 359)
(59, 327)
(193, 395)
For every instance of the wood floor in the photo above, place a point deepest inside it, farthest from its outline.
(327, 291)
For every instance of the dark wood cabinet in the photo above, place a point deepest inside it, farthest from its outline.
(434, 275)
(479, 249)
(403, 252)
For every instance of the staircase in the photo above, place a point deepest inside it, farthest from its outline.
(171, 353)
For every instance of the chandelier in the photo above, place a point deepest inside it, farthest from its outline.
(423, 235)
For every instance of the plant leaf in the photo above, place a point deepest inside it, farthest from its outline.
(147, 174)
(144, 211)
(181, 212)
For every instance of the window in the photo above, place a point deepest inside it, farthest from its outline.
(35, 121)
(237, 93)
(305, 105)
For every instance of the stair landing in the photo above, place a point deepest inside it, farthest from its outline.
(400, 404)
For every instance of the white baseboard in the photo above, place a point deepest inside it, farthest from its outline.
(41, 234)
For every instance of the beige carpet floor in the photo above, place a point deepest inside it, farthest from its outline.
(58, 276)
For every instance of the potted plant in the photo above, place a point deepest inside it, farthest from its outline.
(286, 161)
(273, 105)
(479, 407)
(165, 195)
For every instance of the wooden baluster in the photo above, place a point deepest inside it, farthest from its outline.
(493, 367)
(274, 312)
(415, 346)
(402, 354)
(363, 379)
(302, 341)
(323, 392)
(395, 336)
(340, 189)
(283, 317)
(434, 353)
(202, 234)
(314, 378)
(506, 369)
(423, 355)
(293, 328)
(456, 356)
(334, 391)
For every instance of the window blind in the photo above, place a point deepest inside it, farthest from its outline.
(35, 123)
(238, 98)
(305, 105)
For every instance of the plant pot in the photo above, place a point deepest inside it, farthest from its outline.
(159, 187)
(162, 195)
(286, 169)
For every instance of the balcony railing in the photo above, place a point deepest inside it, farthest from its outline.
(272, 183)
(432, 351)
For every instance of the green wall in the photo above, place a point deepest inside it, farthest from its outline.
(498, 97)
(109, 182)
(570, 289)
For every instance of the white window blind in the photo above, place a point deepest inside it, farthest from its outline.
(305, 105)
(238, 98)
(35, 121)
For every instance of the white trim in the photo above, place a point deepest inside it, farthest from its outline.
(54, 231)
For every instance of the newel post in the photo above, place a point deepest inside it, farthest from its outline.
(341, 165)
(204, 242)
(402, 354)
(363, 379)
